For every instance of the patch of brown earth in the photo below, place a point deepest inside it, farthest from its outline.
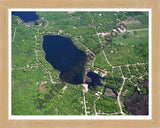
(130, 21)
(109, 92)
(42, 88)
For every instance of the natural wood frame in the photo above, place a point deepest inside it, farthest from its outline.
(4, 34)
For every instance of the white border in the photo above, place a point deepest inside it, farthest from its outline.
(116, 117)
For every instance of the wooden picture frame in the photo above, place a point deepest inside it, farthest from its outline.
(4, 52)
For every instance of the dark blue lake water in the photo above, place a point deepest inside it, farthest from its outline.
(95, 79)
(65, 57)
(26, 16)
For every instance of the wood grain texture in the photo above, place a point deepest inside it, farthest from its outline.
(6, 4)
(78, 3)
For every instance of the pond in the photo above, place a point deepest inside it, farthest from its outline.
(26, 16)
(65, 57)
(96, 79)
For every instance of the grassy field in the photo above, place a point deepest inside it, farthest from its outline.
(128, 50)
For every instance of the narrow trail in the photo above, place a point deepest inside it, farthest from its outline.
(118, 98)
(47, 22)
(98, 94)
(14, 34)
(107, 58)
(35, 49)
(85, 90)
(84, 100)
(64, 88)
(95, 105)
(53, 82)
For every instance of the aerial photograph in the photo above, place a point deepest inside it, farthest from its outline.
(80, 63)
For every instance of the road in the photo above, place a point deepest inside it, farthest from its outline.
(118, 97)
(84, 100)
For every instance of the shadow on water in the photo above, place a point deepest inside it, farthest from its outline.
(26, 16)
(65, 57)
(95, 80)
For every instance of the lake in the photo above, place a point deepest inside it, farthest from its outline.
(26, 16)
(65, 57)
